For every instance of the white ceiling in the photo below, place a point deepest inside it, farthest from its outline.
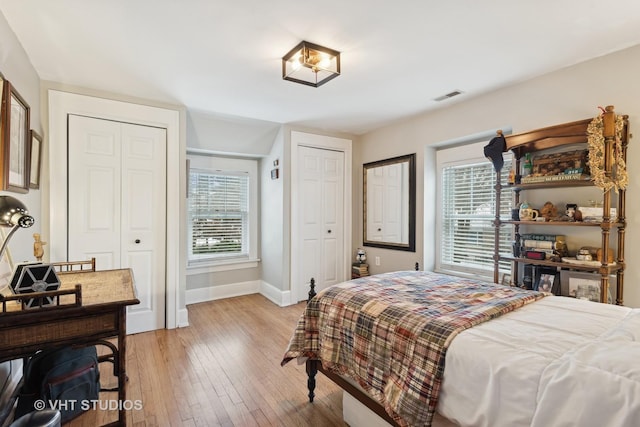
(224, 56)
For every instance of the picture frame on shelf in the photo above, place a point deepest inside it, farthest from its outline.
(547, 279)
(15, 144)
(582, 285)
(36, 156)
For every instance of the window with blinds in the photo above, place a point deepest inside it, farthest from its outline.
(218, 210)
(468, 210)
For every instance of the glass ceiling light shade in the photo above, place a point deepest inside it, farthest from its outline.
(14, 214)
(311, 64)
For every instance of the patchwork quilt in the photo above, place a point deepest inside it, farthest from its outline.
(390, 333)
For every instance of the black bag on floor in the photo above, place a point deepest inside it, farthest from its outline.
(62, 378)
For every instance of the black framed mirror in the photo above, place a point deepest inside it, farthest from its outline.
(389, 203)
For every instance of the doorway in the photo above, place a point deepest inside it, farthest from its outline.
(62, 105)
(321, 212)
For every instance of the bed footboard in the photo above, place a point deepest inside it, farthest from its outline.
(313, 366)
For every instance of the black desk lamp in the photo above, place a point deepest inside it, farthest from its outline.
(14, 214)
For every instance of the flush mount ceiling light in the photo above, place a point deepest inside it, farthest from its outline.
(311, 64)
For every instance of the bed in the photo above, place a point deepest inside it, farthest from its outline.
(511, 358)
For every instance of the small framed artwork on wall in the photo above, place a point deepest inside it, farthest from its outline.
(15, 143)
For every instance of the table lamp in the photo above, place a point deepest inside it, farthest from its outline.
(14, 214)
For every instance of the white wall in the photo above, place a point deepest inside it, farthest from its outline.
(272, 212)
(16, 67)
(233, 137)
(237, 136)
(570, 94)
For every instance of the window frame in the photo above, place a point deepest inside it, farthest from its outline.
(468, 155)
(231, 166)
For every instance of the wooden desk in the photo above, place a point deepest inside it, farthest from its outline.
(102, 315)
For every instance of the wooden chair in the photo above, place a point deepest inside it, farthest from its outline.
(74, 266)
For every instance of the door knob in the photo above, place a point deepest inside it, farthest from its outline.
(137, 241)
(329, 231)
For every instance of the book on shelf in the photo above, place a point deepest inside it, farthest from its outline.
(554, 178)
(544, 237)
(528, 276)
(361, 269)
(544, 244)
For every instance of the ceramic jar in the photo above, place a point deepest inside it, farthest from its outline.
(526, 213)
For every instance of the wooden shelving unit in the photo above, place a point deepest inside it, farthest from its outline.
(551, 138)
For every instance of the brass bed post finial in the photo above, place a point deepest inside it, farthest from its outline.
(312, 286)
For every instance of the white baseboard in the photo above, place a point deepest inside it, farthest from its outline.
(275, 295)
(183, 318)
(211, 293)
(194, 296)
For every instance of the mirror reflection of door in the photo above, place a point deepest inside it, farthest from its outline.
(388, 196)
(389, 203)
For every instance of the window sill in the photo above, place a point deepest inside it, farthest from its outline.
(467, 274)
(226, 265)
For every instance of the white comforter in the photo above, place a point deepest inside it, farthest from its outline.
(556, 362)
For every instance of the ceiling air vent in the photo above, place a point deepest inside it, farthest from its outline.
(448, 95)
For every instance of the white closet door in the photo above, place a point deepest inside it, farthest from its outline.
(95, 174)
(117, 207)
(321, 210)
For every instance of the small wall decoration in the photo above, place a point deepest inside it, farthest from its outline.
(617, 179)
(15, 145)
(36, 155)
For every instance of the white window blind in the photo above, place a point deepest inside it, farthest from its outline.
(468, 210)
(219, 214)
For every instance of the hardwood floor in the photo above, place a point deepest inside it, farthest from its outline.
(222, 370)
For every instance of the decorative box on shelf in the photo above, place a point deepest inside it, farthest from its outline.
(564, 166)
(566, 162)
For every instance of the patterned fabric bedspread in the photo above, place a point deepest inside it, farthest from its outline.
(390, 333)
